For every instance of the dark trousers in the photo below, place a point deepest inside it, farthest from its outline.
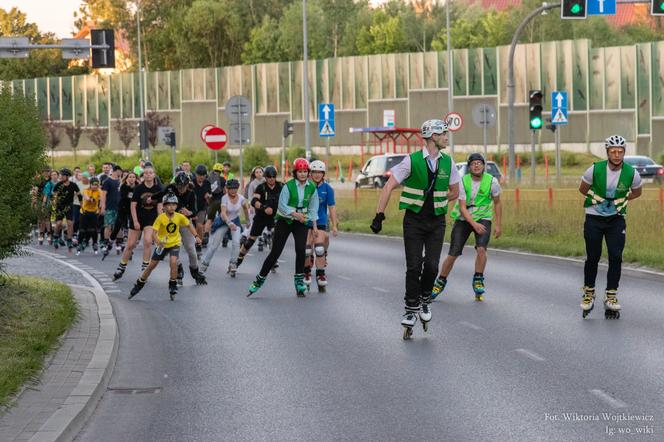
(595, 230)
(421, 234)
(121, 222)
(76, 217)
(88, 229)
(282, 231)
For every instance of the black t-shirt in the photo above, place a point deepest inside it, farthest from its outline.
(65, 193)
(268, 198)
(200, 192)
(186, 200)
(126, 194)
(142, 194)
(112, 189)
(217, 183)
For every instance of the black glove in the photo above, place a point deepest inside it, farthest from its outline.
(377, 223)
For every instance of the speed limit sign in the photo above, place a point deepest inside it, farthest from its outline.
(454, 121)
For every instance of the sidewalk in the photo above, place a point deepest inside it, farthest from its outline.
(76, 375)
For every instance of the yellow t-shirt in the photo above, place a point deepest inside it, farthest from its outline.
(91, 206)
(168, 230)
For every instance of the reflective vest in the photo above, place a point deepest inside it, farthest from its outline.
(294, 199)
(598, 187)
(480, 207)
(416, 186)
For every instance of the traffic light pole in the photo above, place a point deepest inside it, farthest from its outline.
(533, 161)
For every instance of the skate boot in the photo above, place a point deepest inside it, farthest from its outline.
(70, 246)
(408, 322)
(118, 247)
(180, 275)
(137, 288)
(588, 301)
(224, 242)
(56, 242)
(199, 251)
(307, 278)
(199, 278)
(203, 266)
(611, 306)
(232, 269)
(206, 239)
(105, 251)
(321, 280)
(425, 316)
(172, 288)
(258, 283)
(40, 240)
(300, 286)
(119, 271)
(438, 287)
(62, 242)
(144, 265)
(239, 261)
(261, 243)
(478, 287)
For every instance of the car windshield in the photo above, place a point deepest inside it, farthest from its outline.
(393, 161)
(639, 161)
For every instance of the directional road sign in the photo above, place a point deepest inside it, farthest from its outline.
(559, 107)
(601, 7)
(484, 115)
(216, 138)
(326, 120)
(238, 109)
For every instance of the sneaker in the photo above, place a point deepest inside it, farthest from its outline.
(307, 278)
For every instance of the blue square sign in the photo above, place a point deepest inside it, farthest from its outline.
(601, 7)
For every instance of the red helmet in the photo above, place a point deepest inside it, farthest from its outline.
(300, 164)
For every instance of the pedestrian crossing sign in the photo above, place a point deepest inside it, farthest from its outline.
(560, 117)
(326, 130)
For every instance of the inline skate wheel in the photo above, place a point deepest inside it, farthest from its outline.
(407, 333)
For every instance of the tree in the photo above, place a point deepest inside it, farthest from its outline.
(154, 120)
(53, 132)
(74, 132)
(127, 131)
(261, 47)
(98, 135)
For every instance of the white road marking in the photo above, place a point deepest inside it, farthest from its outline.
(615, 403)
(530, 354)
(470, 325)
(346, 278)
(378, 289)
(113, 291)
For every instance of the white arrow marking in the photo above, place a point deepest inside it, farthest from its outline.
(601, 6)
(559, 99)
(326, 111)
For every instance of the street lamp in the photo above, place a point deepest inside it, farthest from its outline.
(305, 81)
(142, 132)
(450, 92)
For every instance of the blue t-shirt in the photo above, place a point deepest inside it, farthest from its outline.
(325, 199)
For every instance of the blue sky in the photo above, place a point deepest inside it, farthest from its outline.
(50, 15)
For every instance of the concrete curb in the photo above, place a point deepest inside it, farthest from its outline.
(634, 271)
(65, 423)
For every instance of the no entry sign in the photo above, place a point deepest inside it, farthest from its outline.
(206, 128)
(215, 138)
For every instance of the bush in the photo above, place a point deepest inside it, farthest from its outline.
(22, 149)
(298, 152)
(254, 156)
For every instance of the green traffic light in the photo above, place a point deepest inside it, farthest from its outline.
(661, 6)
(536, 123)
(575, 9)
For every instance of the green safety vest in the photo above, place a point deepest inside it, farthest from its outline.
(294, 199)
(480, 207)
(598, 187)
(415, 186)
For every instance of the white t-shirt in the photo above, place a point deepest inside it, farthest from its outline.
(607, 208)
(475, 187)
(233, 209)
(402, 170)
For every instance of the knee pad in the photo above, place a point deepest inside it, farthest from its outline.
(308, 251)
(320, 250)
(249, 243)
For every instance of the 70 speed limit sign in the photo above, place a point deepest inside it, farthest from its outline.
(454, 121)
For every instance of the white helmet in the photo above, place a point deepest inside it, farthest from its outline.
(615, 141)
(434, 126)
(317, 166)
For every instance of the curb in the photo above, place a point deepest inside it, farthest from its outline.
(634, 271)
(70, 418)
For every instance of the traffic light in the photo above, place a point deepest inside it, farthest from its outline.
(552, 127)
(656, 7)
(103, 58)
(288, 128)
(573, 9)
(535, 100)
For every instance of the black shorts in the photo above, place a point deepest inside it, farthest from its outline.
(460, 233)
(322, 227)
(64, 212)
(161, 252)
(213, 209)
(146, 219)
(259, 224)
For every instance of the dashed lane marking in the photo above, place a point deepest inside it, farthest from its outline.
(615, 403)
(378, 289)
(470, 325)
(530, 354)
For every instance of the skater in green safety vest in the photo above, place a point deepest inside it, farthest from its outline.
(430, 179)
(607, 187)
(298, 205)
(477, 211)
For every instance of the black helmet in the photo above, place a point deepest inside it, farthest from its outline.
(201, 169)
(181, 179)
(169, 198)
(64, 171)
(270, 172)
(232, 184)
(474, 157)
(94, 180)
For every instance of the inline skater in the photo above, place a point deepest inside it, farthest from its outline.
(479, 199)
(255, 179)
(90, 208)
(203, 192)
(39, 202)
(298, 204)
(217, 186)
(182, 188)
(166, 234)
(110, 200)
(265, 201)
(319, 244)
(124, 213)
(49, 207)
(144, 209)
(64, 193)
(430, 180)
(228, 221)
(607, 186)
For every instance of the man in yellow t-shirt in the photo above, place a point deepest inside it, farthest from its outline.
(166, 235)
(90, 206)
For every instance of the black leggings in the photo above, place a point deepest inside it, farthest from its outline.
(595, 230)
(121, 222)
(88, 228)
(282, 231)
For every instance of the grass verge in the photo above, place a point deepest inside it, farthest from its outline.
(531, 224)
(34, 313)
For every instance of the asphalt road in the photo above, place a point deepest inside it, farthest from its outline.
(523, 365)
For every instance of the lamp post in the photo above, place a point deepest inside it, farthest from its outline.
(305, 81)
(140, 75)
(450, 92)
